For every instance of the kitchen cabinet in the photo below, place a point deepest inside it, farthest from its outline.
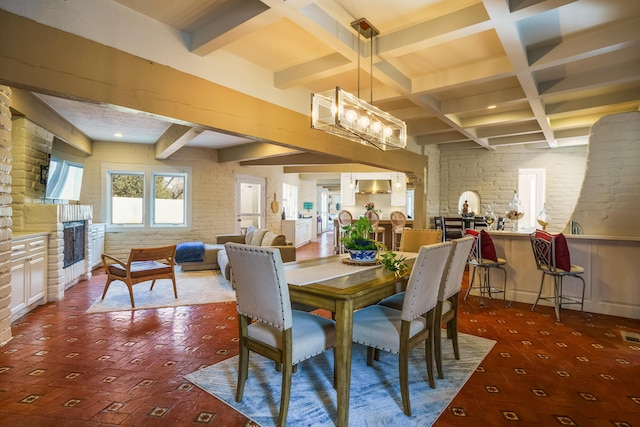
(28, 273)
(297, 231)
(96, 244)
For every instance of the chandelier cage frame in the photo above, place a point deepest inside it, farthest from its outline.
(340, 113)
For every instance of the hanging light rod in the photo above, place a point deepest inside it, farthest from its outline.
(364, 28)
(343, 114)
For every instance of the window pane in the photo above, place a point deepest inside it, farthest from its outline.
(169, 201)
(126, 198)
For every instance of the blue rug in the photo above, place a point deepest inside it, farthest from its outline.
(375, 391)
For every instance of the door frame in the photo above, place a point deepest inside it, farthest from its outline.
(256, 180)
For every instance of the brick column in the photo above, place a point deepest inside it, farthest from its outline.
(5, 214)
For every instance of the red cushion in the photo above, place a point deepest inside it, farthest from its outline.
(488, 250)
(563, 260)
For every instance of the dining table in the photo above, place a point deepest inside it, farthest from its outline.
(341, 286)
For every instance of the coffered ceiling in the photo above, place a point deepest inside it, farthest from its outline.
(465, 73)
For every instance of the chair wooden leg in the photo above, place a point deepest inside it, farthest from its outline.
(428, 350)
(285, 394)
(243, 370)
(133, 305)
(453, 326)
(370, 352)
(106, 286)
(437, 337)
(403, 369)
(175, 290)
(376, 354)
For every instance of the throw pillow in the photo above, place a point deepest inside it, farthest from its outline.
(563, 259)
(488, 249)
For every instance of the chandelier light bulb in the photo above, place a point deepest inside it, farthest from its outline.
(351, 116)
(363, 121)
(376, 126)
(387, 131)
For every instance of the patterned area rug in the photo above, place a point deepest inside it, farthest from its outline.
(375, 391)
(194, 287)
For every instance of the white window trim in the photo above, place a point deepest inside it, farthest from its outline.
(152, 213)
(148, 171)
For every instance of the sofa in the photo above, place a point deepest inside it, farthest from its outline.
(254, 237)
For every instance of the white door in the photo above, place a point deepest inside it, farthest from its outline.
(250, 202)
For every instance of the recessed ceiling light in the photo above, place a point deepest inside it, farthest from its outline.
(491, 107)
(117, 135)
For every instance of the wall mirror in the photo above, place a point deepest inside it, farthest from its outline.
(472, 198)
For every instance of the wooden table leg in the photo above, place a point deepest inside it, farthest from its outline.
(344, 336)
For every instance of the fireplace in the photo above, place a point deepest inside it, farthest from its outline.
(74, 239)
(69, 252)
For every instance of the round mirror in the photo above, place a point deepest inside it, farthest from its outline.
(469, 203)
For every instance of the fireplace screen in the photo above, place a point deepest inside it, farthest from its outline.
(74, 232)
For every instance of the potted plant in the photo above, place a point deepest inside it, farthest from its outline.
(357, 242)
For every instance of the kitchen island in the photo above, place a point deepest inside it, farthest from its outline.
(610, 272)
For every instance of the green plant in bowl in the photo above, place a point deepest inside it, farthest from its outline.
(357, 242)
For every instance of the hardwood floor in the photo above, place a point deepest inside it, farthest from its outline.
(67, 368)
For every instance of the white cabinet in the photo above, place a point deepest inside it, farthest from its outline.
(28, 273)
(96, 244)
(297, 231)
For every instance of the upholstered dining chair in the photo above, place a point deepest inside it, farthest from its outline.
(398, 224)
(400, 331)
(483, 259)
(277, 332)
(344, 218)
(374, 219)
(552, 257)
(447, 308)
(413, 238)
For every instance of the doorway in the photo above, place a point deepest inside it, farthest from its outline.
(250, 202)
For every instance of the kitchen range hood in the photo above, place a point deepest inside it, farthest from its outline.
(373, 186)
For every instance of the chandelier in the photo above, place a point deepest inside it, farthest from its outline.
(341, 113)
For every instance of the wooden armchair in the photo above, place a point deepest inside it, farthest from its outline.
(144, 264)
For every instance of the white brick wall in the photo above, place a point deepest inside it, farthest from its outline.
(494, 175)
(31, 147)
(610, 198)
(5, 214)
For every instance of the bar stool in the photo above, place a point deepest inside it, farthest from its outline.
(483, 259)
(552, 258)
(374, 219)
(398, 222)
(344, 218)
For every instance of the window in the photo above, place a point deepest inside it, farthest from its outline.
(168, 202)
(127, 198)
(531, 192)
(147, 198)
